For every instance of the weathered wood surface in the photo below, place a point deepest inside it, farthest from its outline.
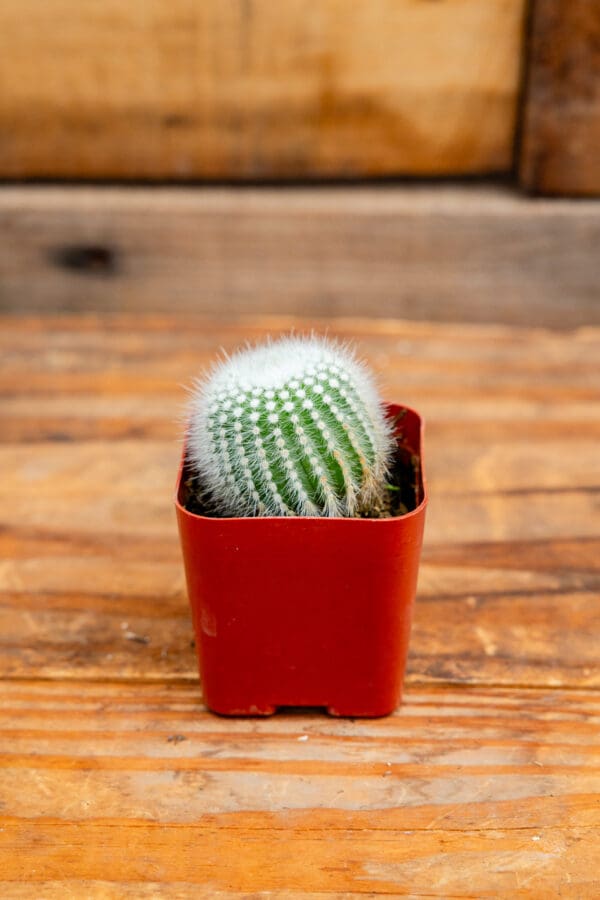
(443, 253)
(464, 793)
(256, 89)
(561, 119)
(114, 779)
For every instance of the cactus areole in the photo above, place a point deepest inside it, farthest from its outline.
(294, 427)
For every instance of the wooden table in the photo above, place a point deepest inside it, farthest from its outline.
(115, 780)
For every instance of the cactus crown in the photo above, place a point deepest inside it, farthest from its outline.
(292, 427)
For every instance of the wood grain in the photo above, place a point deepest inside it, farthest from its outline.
(251, 89)
(472, 254)
(496, 784)
(561, 130)
(115, 781)
(94, 582)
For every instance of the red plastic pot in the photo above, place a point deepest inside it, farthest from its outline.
(304, 611)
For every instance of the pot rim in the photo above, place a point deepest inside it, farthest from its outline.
(313, 519)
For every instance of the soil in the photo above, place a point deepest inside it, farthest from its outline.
(402, 494)
(403, 491)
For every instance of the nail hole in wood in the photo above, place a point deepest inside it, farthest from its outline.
(88, 259)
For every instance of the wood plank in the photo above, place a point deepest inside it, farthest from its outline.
(309, 859)
(472, 254)
(119, 633)
(93, 584)
(256, 90)
(561, 130)
(101, 889)
(82, 615)
(89, 730)
(498, 785)
(482, 469)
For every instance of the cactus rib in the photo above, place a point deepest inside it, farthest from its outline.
(294, 427)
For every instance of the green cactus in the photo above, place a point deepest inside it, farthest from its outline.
(292, 427)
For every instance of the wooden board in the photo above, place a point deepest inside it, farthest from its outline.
(561, 132)
(135, 790)
(115, 781)
(444, 253)
(254, 89)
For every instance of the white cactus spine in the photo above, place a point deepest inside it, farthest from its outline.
(292, 427)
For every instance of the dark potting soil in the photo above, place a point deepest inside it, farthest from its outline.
(402, 495)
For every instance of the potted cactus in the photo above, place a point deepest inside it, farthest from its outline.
(300, 503)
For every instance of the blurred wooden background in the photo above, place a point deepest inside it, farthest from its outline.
(502, 96)
(233, 89)
(561, 117)
(471, 253)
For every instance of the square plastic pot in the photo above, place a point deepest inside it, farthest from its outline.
(301, 611)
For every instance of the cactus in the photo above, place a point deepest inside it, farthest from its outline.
(292, 427)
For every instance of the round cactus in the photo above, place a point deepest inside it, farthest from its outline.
(292, 427)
